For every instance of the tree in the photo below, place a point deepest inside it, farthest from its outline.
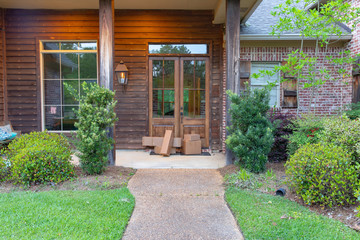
(321, 24)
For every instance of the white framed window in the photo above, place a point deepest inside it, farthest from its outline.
(263, 81)
(64, 63)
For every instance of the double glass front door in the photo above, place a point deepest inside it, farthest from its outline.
(179, 96)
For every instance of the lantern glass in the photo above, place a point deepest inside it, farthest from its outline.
(121, 73)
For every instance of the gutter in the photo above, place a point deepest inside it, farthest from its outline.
(256, 37)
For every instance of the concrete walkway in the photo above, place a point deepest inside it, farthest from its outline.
(180, 204)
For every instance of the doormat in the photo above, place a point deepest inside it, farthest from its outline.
(205, 154)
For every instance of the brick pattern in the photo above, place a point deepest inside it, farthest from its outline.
(331, 96)
(354, 44)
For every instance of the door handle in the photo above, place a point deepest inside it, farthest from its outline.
(181, 116)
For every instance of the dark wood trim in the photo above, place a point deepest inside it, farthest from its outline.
(3, 12)
(233, 58)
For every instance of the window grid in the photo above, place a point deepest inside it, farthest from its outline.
(62, 80)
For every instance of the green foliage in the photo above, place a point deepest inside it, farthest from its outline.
(4, 168)
(250, 135)
(354, 111)
(323, 174)
(39, 157)
(96, 115)
(306, 129)
(262, 216)
(344, 132)
(242, 179)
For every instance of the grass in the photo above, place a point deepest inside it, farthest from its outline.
(65, 214)
(260, 217)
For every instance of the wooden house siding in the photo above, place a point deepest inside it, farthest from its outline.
(134, 29)
(2, 64)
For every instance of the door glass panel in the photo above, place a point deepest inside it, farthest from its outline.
(163, 72)
(194, 88)
(87, 63)
(200, 72)
(51, 66)
(157, 103)
(157, 74)
(169, 72)
(69, 66)
(169, 103)
(188, 74)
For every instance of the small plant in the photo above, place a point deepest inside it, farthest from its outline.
(323, 174)
(242, 179)
(354, 111)
(96, 115)
(306, 129)
(250, 135)
(4, 168)
(282, 130)
(39, 157)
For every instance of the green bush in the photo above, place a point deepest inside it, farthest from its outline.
(323, 174)
(344, 132)
(242, 179)
(306, 129)
(354, 111)
(250, 134)
(96, 114)
(39, 157)
(3, 169)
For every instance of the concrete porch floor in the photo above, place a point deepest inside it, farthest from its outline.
(140, 159)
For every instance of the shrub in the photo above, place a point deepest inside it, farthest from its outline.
(306, 129)
(96, 115)
(344, 132)
(322, 174)
(354, 111)
(39, 157)
(282, 130)
(242, 179)
(250, 135)
(3, 169)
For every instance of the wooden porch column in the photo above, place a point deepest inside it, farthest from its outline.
(106, 53)
(232, 58)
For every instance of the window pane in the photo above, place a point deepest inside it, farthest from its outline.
(51, 46)
(69, 46)
(178, 48)
(87, 46)
(52, 92)
(53, 118)
(157, 103)
(51, 66)
(200, 72)
(157, 72)
(169, 69)
(69, 118)
(68, 98)
(69, 66)
(169, 104)
(88, 66)
(189, 74)
(199, 104)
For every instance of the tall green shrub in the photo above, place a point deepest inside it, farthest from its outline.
(96, 114)
(250, 134)
(323, 174)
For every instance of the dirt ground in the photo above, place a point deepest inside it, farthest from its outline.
(345, 214)
(113, 177)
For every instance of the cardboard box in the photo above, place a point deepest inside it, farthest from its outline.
(167, 143)
(191, 147)
(157, 141)
(157, 149)
(191, 137)
(177, 142)
(147, 141)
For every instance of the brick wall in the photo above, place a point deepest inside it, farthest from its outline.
(331, 96)
(354, 44)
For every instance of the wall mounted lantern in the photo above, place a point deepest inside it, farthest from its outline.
(121, 73)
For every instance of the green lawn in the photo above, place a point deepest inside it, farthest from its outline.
(259, 217)
(65, 214)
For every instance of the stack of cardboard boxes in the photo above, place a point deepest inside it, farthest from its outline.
(191, 144)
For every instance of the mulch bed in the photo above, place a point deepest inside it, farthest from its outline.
(345, 214)
(113, 177)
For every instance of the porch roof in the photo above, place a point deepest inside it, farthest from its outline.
(218, 6)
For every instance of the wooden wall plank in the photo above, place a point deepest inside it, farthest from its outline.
(133, 31)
